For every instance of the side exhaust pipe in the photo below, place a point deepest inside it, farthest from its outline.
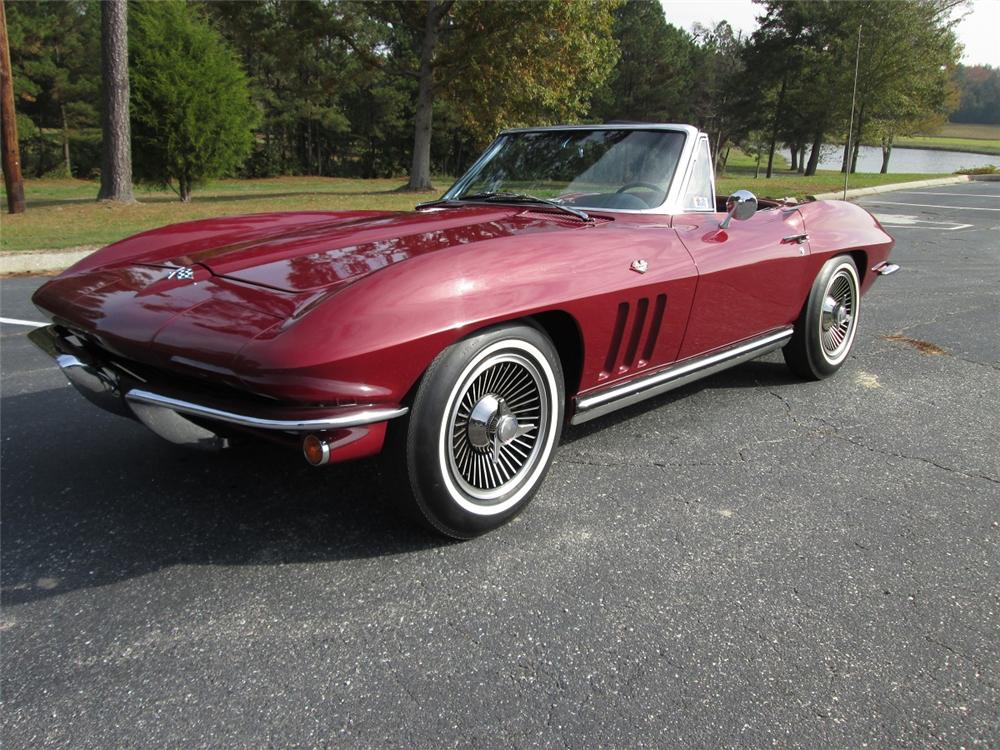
(885, 268)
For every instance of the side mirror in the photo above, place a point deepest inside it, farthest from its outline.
(741, 205)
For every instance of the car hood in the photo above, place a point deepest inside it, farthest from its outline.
(305, 253)
(246, 275)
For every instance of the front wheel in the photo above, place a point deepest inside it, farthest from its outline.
(824, 332)
(482, 430)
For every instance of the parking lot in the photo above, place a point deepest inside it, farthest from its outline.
(749, 561)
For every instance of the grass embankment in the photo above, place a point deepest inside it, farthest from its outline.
(977, 139)
(63, 213)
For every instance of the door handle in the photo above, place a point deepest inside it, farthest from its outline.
(798, 239)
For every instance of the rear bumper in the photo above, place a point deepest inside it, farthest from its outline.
(195, 420)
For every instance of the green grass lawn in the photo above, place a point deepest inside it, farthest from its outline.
(979, 139)
(63, 213)
(982, 132)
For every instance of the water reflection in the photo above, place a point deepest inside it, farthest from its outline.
(905, 160)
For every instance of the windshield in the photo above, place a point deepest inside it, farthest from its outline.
(600, 168)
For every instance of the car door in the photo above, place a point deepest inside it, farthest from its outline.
(750, 275)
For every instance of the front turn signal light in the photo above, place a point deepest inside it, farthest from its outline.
(316, 450)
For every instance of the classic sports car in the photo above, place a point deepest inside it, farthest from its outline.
(572, 271)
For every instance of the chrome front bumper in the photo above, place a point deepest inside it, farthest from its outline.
(167, 412)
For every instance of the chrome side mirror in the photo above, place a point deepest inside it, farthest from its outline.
(741, 205)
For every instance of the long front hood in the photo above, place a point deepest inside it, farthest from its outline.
(327, 255)
(248, 275)
(306, 252)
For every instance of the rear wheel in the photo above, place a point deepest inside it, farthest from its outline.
(482, 430)
(824, 333)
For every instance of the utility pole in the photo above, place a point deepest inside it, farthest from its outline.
(11, 155)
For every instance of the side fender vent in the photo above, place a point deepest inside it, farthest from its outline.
(642, 329)
(616, 340)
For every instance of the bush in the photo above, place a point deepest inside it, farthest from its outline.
(192, 117)
(987, 169)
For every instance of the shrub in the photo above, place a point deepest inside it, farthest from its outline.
(192, 117)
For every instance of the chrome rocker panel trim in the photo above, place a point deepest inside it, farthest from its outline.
(677, 375)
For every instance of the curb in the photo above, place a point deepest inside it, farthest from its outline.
(42, 260)
(858, 192)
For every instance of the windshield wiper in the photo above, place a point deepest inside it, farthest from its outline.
(501, 197)
(438, 202)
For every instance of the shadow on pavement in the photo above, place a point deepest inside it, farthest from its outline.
(90, 499)
(753, 374)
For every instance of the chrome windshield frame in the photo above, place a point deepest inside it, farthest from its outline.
(671, 204)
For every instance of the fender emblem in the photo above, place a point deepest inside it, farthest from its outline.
(184, 273)
(639, 266)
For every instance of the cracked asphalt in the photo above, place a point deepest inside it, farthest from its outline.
(751, 561)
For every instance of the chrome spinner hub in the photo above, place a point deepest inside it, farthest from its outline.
(492, 424)
(835, 313)
(482, 421)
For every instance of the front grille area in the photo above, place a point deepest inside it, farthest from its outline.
(131, 369)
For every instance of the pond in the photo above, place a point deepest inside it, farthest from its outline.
(905, 160)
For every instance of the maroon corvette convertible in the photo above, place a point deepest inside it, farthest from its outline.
(570, 272)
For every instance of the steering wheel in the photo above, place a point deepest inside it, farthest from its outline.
(647, 186)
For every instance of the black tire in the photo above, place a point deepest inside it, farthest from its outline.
(481, 433)
(824, 333)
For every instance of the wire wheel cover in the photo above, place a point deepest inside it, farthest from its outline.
(839, 314)
(498, 426)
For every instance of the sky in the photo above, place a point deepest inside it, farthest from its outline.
(979, 31)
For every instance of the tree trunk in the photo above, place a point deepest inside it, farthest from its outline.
(184, 188)
(778, 107)
(116, 164)
(43, 154)
(794, 148)
(886, 153)
(817, 146)
(847, 155)
(10, 151)
(267, 151)
(857, 143)
(65, 128)
(420, 170)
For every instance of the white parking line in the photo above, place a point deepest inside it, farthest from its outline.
(962, 195)
(906, 221)
(929, 205)
(918, 226)
(19, 322)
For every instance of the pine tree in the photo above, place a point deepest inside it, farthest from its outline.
(192, 116)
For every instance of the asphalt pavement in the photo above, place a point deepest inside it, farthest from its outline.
(750, 561)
